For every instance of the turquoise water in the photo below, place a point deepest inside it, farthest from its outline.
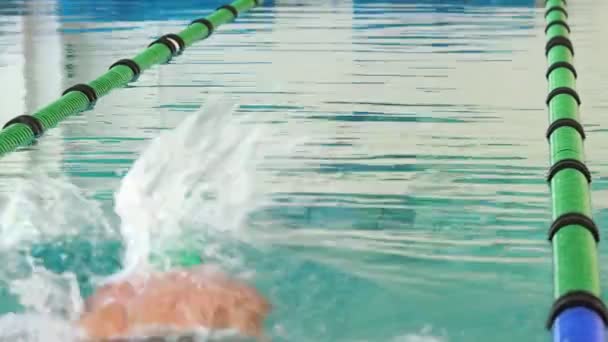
(413, 208)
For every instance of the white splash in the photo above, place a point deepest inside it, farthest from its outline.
(196, 177)
(51, 303)
(48, 293)
(31, 327)
(43, 207)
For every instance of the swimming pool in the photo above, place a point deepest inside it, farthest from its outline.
(402, 194)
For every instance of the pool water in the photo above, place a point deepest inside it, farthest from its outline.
(374, 167)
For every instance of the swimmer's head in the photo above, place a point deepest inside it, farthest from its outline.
(175, 302)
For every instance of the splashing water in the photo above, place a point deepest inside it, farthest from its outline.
(196, 178)
(189, 181)
(43, 208)
(36, 328)
(192, 188)
(40, 303)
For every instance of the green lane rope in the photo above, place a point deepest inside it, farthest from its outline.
(573, 234)
(24, 129)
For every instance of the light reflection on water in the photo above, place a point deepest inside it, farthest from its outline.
(416, 197)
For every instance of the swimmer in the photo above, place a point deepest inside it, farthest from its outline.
(179, 301)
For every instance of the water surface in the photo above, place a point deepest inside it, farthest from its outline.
(401, 193)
